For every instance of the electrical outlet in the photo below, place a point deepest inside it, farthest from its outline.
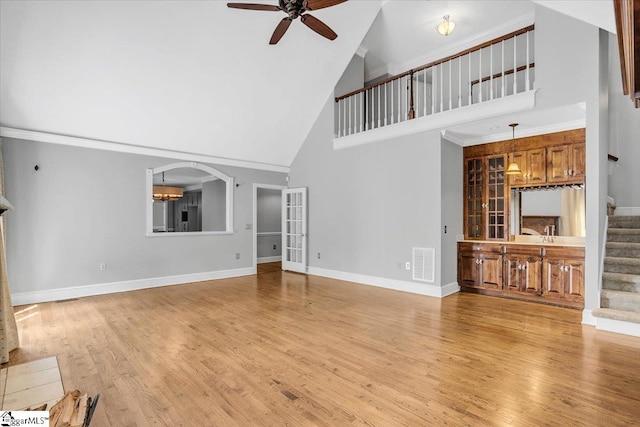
(318, 255)
(275, 247)
(407, 266)
(103, 266)
(237, 255)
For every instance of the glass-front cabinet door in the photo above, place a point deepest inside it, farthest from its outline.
(496, 199)
(486, 198)
(474, 173)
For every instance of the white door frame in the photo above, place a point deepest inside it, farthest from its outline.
(255, 218)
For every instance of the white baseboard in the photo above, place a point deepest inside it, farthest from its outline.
(381, 282)
(269, 259)
(618, 326)
(32, 297)
(588, 318)
(622, 211)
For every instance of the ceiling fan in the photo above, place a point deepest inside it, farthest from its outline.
(295, 9)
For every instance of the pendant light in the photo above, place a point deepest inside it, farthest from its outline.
(513, 168)
(165, 192)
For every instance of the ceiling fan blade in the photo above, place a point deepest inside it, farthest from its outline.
(254, 6)
(318, 26)
(321, 4)
(282, 28)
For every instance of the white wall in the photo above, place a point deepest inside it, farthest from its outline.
(214, 205)
(624, 136)
(370, 205)
(452, 209)
(84, 207)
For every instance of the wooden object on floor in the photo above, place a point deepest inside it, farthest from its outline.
(290, 349)
(70, 411)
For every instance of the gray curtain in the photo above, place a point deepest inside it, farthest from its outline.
(8, 328)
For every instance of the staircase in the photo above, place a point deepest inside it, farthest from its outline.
(620, 295)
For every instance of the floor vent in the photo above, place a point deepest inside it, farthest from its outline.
(424, 261)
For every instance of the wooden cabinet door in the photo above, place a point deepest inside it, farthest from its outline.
(531, 275)
(491, 271)
(468, 269)
(537, 171)
(512, 273)
(558, 163)
(577, 162)
(474, 198)
(553, 280)
(574, 279)
(520, 157)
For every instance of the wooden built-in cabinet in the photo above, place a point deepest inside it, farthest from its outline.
(566, 163)
(545, 160)
(487, 262)
(533, 165)
(486, 198)
(480, 267)
(531, 272)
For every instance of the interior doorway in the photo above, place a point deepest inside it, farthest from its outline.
(267, 223)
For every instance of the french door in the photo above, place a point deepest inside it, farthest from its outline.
(294, 229)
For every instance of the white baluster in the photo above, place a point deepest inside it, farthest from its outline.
(480, 74)
(459, 81)
(441, 84)
(379, 111)
(385, 104)
(399, 100)
(424, 80)
(491, 72)
(470, 88)
(361, 115)
(433, 90)
(392, 116)
(504, 78)
(527, 81)
(349, 125)
(339, 133)
(515, 66)
(450, 62)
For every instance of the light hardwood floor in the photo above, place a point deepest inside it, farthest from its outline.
(288, 349)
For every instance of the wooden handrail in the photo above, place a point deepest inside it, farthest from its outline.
(506, 73)
(612, 158)
(627, 13)
(440, 61)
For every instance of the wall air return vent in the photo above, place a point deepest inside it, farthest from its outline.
(424, 264)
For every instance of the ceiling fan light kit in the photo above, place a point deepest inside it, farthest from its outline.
(294, 9)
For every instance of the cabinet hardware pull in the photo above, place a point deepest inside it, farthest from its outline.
(571, 172)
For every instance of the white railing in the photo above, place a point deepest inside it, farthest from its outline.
(492, 70)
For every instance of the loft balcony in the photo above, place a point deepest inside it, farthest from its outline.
(488, 80)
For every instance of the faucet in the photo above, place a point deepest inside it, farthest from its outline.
(547, 237)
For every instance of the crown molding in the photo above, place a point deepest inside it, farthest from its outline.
(466, 141)
(52, 138)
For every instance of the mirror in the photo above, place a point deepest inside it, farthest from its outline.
(562, 208)
(188, 197)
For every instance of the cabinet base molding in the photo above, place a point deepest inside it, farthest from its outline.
(524, 297)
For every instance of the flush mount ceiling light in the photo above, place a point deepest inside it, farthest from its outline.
(513, 168)
(446, 27)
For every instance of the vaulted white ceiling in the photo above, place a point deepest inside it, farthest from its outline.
(198, 77)
(192, 76)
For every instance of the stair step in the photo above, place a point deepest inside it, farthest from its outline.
(621, 282)
(622, 265)
(620, 300)
(624, 221)
(623, 249)
(609, 313)
(623, 235)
